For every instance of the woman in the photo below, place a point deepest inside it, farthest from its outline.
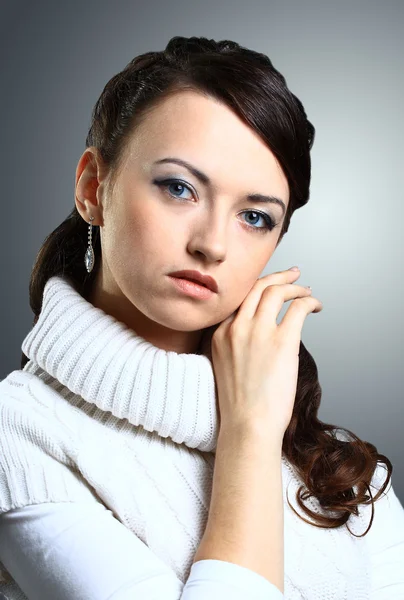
(161, 435)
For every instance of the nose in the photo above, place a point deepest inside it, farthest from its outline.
(209, 236)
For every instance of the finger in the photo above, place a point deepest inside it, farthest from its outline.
(272, 300)
(249, 305)
(292, 322)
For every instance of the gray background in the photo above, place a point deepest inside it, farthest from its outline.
(344, 60)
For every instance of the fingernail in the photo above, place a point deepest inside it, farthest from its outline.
(293, 269)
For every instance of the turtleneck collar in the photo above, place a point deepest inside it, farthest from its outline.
(111, 366)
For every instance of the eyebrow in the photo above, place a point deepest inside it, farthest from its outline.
(203, 178)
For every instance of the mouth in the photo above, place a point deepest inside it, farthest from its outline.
(191, 288)
(199, 278)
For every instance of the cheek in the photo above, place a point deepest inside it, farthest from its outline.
(146, 235)
(248, 267)
(249, 263)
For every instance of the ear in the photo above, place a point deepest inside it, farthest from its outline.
(90, 185)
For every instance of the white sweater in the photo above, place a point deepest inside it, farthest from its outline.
(101, 417)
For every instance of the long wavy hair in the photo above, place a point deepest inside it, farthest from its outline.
(337, 472)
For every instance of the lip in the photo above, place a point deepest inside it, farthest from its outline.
(192, 289)
(198, 277)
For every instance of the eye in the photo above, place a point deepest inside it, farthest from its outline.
(172, 183)
(269, 223)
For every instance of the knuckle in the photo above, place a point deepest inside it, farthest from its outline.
(271, 290)
(301, 301)
(237, 329)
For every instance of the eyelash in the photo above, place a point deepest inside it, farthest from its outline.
(165, 183)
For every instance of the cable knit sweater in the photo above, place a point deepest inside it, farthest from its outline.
(98, 414)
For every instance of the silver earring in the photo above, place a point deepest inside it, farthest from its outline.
(89, 255)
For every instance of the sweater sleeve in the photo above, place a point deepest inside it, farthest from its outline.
(64, 550)
(386, 543)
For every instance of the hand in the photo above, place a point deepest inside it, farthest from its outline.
(255, 360)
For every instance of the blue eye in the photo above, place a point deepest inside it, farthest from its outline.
(168, 183)
(181, 185)
(269, 224)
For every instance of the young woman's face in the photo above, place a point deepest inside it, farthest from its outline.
(160, 218)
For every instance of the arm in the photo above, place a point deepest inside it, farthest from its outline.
(386, 543)
(68, 550)
(245, 522)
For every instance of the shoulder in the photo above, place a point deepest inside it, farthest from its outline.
(14, 385)
(26, 390)
(30, 414)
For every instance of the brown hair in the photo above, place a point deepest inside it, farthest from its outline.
(335, 471)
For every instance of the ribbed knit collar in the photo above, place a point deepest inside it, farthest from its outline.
(108, 364)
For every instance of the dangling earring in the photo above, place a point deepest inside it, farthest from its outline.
(89, 255)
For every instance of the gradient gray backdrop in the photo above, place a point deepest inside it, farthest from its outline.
(344, 60)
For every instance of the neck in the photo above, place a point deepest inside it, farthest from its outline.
(108, 364)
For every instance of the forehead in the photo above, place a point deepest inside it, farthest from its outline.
(208, 134)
